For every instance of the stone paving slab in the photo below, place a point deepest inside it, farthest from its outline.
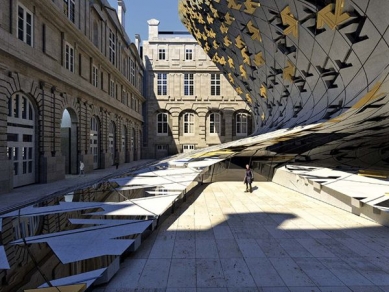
(273, 239)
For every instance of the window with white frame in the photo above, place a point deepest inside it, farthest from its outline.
(25, 25)
(189, 123)
(215, 84)
(68, 9)
(162, 124)
(112, 47)
(214, 123)
(69, 57)
(188, 84)
(112, 88)
(162, 84)
(188, 54)
(161, 54)
(95, 76)
(162, 147)
(188, 148)
(241, 124)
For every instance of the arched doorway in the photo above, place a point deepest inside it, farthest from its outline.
(125, 144)
(112, 141)
(21, 139)
(69, 141)
(95, 141)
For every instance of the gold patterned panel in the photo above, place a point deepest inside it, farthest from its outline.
(222, 61)
(206, 47)
(215, 57)
(239, 42)
(230, 78)
(229, 19)
(254, 31)
(258, 59)
(209, 19)
(223, 28)
(231, 62)
(263, 116)
(238, 90)
(245, 56)
(326, 16)
(370, 96)
(198, 34)
(227, 41)
(232, 4)
(263, 91)
(199, 18)
(249, 99)
(214, 11)
(251, 6)
(214, 44)
(289, 71)
(288, 19)
(210, 33)
(242, 71)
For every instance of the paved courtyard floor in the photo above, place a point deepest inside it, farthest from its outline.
(273, 239)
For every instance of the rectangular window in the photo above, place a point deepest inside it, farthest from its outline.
(188, 148)
(189, 126)
(161, 147)
(112, 47)
(68, 9)
(112, 88)
(25, 25)
(241, 124)
(11, 137)
(69, 57)
(188, 84)
(215, 84)
(162, 124)
(214, 123)
(95, 76)
(161, 54)
(188, 54)
(162, 84)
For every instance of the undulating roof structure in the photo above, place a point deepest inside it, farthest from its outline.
(318, 67)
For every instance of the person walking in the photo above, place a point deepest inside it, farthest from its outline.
(81, 168)
(116, 159)
(248, 179)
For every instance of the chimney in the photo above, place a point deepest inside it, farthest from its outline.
(153, 28)
(121, 12)
(137, 42)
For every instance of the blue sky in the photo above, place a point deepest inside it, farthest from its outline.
(140, 11)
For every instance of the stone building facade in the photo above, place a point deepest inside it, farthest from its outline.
(70, 90)
(190, 104)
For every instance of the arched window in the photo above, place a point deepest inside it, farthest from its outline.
(241, 124)
(21, 139)
(214, 123)
(189, 123)
(162, 124)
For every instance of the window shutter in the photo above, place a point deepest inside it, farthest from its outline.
(170, 123)
(180, 125)
(250, 124)
(234, 125)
